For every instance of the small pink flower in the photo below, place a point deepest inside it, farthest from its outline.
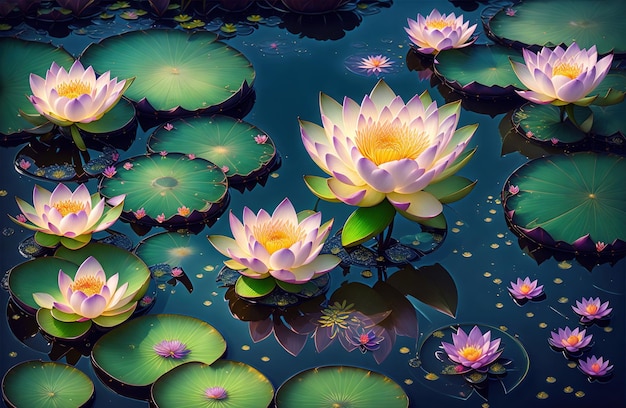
(595, 367)
(191, 156)
(217, 393)
(168, 126)
(554, 140)
(115, 156)
(171, 349)
(21, 218)
(184, 211)
(24, 164)
(513, 189)
(510, 12)
(525, 289)
(145, 301)
(225, 169)
(128, 166)
(364, 340)
(109, 172)
(592, 309)
(570, 340)
(140, 213)
(530, 134)
(600, 246)
(260, 139)
(163, 153)
(176, 272)
(160, 218)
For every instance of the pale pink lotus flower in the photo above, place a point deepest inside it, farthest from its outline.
(570, 340)
(437, 32)
(184, 211)
(216, 393)
(525, 289)
(513, 190)
(561, 76)
(510, 12)
(115, 156)
(277, 245)
(191, 156)
(225, 168)
(75, 96)
(591, 309)
(140, 213)
(260, 139)
(128, 166)
(595, 367)
(163, 153)
(375, 64)
(474, 350)
(21, 218)
(109, 171)
(74, 216)
(160, 218)
(530, 134)
(174, 349)
(89, 296)
(554, 140)
(24, 164)
(386, 149)
(600, 246)
(168, 126)
(177, 272)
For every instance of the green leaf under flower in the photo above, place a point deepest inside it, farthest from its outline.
(254, 288)
(47, 240)
(367, 222)
(59, 329)
(451, 189)
(319, 187)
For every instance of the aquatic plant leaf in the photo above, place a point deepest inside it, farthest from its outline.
(186, 385)
(120, 116)
(403, 317)
(291, 341)
(253, 288)
(61, 330)
(451, 189)
(543, 123)
(319, 187)
(364, 300)
(126, 354)
(431, 285)
(170, 248)
(340, 386)
(367, 222)
(46, 384)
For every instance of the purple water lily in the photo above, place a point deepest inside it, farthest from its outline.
(595, 367)
(171, 349)
(592, 309)
(474, 350)
(525, 289)
(570, 340)
(216, 393)
(366, 341)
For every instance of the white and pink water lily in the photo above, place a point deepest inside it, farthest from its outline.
(438, 32)
(278, 245)
(386, 149)
(563, 75)
(89, 296)
(66, 216)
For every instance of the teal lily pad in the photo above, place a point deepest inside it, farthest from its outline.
(170, 190)
(126, 354)
(573, 203)
(242, 150)
(46, 384)
(170, 248)
(543, 123)
(120, 120)
(194, 72)
(550, 23)
(33, 57)
(340, 386)
(480, 71)
(227, 384)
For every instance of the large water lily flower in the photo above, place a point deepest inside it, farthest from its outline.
(561, 76)
(279, 245)
(474, 350)
(388, 151)
(437, 32)
(67, 217)
(89, 296)
(74, 97)
(570, 340)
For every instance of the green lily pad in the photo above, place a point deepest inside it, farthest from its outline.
(229, 143)
(119, 120)
(170, 248)
(33, 57)
(46, 384)
(187, 386)
(570, 202)
(170, 190)
(126, 354)
(59, 329)
(481, 71)
(176, 73)
(254, 288)
(340, 386)
(543, 123)
(554, 22)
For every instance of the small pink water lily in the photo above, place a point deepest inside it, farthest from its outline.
(510, 12)
(68, 217)
(529, 134)
(24, 164)
(140, 213)
(128, 166)
(525, 289)
(561, 76)
(595, 367)
(437, 32)
(375, 64)
(216, 393)
(261, 139)
(174, 349)
(191, 156)
(168, 126)
(570, 340)
(592, 309)
(109, 171)
(160, 218)
(184, 211)
(554, 141)
(177, 272)
(225, 169)
(277, 245)
(600, 246)
(163, 153)
(513, 190)
(90, 296)
(474, 350)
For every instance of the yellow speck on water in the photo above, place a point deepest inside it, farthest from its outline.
(494, 246)
(489, 197)
(543, 325)
(245, 347)
(492, 211)
(455, 230)
(214, 293)
(500, 235)
(408, 381)
(485, 405)
(579, 394)
(568, 390)
(335, 250)
(439, 334)
(404, 350)
(558, 281)
(367, 273)
(564, 265)
(497, 281)
(530, 314)
(508, 242)
(431, 376)
(3, 193)
(274, 175)
(503, 328)
(209, 268)
(207, 303)
(550, 380)
(608, 329)
(487, 274)
(499, 305)
(199, 276)
(488, 219)
(15, 317)
(562, 299)
(459, 223)
(497, 201)
(161, 286)
(265, 358)
(572, 364)
(466, 254)
(542, 395)
(13, 354)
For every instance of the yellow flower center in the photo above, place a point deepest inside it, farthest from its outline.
(572, 340)
(73, 89)
(385, 142)
(595, 367)
(277, 234)
(566, 69)
(89, 285)
(471, 353)
(439, 24)
(69, 207)
(525, 288)
(591, 309)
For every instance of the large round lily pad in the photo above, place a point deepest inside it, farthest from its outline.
(543, 123)
(573, 202)
(340, 386)
(170, 248)
(168, 189)
(242, 150)
(176, 73)
(550, 23)
(226, 384)
(126, 354)
(46, 385)
(28, 57)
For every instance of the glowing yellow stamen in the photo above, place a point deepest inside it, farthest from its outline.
(591, 309)
(572, 340)
(566, 69)
(73, 89)
(69, 207)
(385, 142)
(595, 367)
(439, 24)
(89, 285)
(525, 288)
(277, 234)
(471, 353)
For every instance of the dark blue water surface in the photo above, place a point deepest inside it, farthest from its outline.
(479, 251)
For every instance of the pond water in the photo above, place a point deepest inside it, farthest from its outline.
(294, 61)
